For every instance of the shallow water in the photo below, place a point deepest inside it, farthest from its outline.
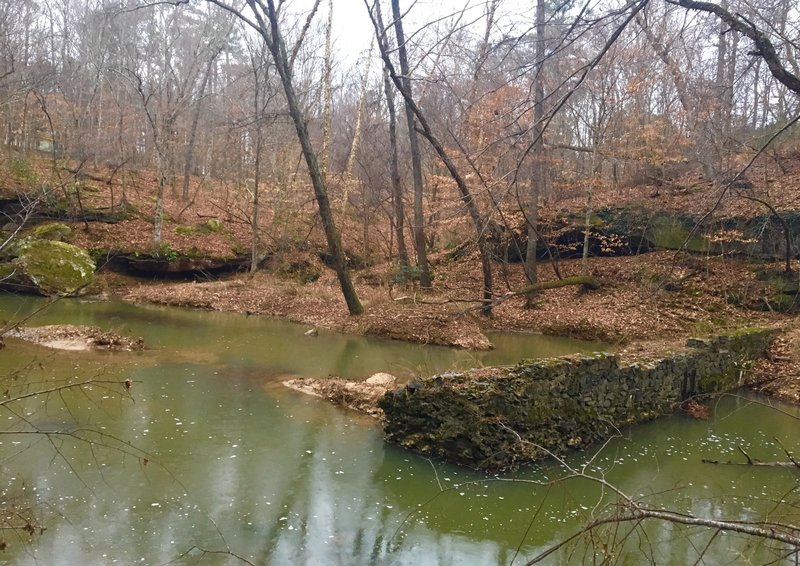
(235, 461)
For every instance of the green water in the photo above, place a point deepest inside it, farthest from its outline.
(235, 461)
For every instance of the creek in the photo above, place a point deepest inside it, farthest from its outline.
(236, 461)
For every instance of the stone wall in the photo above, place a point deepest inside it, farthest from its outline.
(497, 418)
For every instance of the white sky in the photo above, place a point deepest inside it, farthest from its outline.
(352, 29)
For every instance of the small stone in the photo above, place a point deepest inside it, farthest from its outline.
(381, 380)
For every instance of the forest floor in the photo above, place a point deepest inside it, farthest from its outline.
(643, 303)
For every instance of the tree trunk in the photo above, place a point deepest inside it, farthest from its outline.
(327, 94)
(351, 158)
(413, 140)
(537, 151)
(260, 82)
(158, 220)
(254, 255)
(189, 164)
(397, 189)
(720, 115)
(268, 29)
(587, 230)
(466, 196)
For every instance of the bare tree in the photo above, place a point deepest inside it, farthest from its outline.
(265, 22)
(538, 171)
(357, 127)
(327, 98)
(217, 43)
(466, 195)
(156, 126)
(398, 206)
(404, 79)
(765, 49)
(261, 97)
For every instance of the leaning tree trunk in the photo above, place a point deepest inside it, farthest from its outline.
(268, 29)
(466, 196)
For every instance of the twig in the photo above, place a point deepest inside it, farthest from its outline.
(746, 455)
(785, 451)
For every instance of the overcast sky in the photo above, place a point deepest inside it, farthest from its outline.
(352, 29)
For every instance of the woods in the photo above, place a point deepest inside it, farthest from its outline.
(508, 108)
(358, 188)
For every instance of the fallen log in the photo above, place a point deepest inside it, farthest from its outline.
(588, 282)
(792, 463)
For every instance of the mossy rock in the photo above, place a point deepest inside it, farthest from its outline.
(493, 420)
(50, 267)
(211, 226)
(302, 271)
(187, 230)
(672, 234)
(56, 231)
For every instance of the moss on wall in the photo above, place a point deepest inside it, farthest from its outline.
(499, 419)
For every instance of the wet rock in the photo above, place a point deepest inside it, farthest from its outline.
(382, 380)
(176, 267)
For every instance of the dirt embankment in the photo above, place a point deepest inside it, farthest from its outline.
(652, 297)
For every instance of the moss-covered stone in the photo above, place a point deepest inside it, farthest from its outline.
(56, 231)
(672, 234)
(50, 267)
(513, 415)
(211, 226)
(302, 271)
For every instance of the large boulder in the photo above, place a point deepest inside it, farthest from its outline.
(47, 267)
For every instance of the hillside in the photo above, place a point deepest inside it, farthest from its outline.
(641, 300)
